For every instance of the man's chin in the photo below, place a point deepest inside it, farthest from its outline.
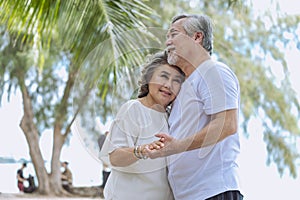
(172, 60)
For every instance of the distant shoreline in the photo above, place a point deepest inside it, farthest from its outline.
(11, 160)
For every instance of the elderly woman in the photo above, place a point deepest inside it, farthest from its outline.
(133, 176)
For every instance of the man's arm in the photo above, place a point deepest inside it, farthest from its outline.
(222, 125)
(20, 178)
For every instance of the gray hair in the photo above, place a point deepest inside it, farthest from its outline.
(198, 23)
(149, 67)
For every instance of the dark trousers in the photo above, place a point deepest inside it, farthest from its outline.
(105, 177)
(228, 195)
(67, 187)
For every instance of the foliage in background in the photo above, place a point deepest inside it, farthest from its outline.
(84, 57)
(48, 53)
(253, 45)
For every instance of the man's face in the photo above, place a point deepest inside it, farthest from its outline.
(178, 43)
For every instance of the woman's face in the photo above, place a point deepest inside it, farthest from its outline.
(164, 85)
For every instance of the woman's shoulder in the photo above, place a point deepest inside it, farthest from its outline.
(131, 106)
(132, 103)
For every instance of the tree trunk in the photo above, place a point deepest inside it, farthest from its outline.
(48, 184)
(32, 138)
(55, 176)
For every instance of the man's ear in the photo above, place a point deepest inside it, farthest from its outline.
(198, 37)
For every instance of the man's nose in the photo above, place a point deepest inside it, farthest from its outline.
(168, 42)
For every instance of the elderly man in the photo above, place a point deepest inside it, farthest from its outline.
(203, 144)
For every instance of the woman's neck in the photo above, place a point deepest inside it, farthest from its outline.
(148, 102)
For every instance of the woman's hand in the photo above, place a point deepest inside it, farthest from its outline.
(165, 146)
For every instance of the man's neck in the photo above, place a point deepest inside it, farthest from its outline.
(188, 70)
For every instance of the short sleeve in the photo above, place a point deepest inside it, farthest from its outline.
(135, 125)
(124, 131)
(220, 90)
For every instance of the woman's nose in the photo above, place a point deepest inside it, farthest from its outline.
(167, 84)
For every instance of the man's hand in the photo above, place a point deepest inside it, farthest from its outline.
(165, 146)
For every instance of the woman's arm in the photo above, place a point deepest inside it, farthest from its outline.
(125, 156)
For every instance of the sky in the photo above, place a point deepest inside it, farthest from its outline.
(259, 180)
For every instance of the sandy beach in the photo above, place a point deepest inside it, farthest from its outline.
(18, 196)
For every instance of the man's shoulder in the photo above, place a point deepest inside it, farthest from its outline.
(212, 69)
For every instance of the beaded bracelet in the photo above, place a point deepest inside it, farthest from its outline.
(137, 151)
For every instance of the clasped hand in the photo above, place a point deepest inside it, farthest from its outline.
(165, 146)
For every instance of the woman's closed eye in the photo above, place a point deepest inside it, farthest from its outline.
(177, 80)
(165, 76)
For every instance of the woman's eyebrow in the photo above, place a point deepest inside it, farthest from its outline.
(165, 72)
